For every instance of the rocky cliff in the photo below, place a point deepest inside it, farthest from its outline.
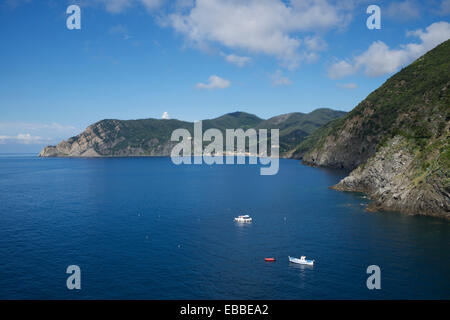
(391, 179)
(151, 137)
(115, 138)
(397, 140)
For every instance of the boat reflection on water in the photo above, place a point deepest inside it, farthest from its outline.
(301, 266)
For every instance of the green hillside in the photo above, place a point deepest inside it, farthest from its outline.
(413, 106)
(152, 136)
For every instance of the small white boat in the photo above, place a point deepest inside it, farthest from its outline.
(302, 260)
(244, 218)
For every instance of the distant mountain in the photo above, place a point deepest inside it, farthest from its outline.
(151, 137)
(397, 140)
(295, 127)
(232, 121)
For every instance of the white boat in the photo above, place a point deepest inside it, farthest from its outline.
(302, 260)
(244, 218)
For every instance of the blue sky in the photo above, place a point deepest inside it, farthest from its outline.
(194, 60)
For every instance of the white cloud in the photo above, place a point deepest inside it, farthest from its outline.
(315, 43)
(23, 138)
(379, 59)
(403, 10)
(184, 4)
(259, 26)
(279, 80)
(36, 133)
(4, 126)
(277, 28)
(341, 69)
(240, 61)
(118, 6)
(215, 82)
(347, 85)
(165, 115)
(152, 4)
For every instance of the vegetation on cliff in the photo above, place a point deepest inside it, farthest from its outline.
(413, 105)
(152, 136)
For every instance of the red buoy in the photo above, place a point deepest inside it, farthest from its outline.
(269, 259)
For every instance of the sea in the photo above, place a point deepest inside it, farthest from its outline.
(145, 228)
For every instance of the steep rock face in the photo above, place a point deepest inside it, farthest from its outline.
(413, 102)
(348, 148)
(396, 140)
(389, 178)
(105, 138)
(81, 146)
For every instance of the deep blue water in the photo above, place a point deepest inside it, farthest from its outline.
(144, 228)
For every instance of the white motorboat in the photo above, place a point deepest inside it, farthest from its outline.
(302, 260)
(243, 218)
